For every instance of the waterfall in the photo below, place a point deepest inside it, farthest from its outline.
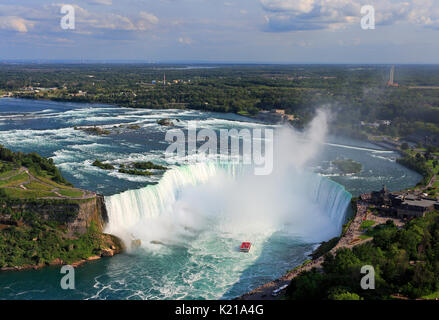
(213, 195)
(332, 197)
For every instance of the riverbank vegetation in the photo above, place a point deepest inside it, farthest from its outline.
(37, 208)
(425, 161)
(406, 262)
(36, 164)
(31, 241)
(30, 178)
(419, 164)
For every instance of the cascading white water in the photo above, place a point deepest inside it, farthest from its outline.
(155, 202)
(229, 199)
(195, 198)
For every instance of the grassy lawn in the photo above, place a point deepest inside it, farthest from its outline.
(8, 170)
(243, 113)
(364, 237)
(429, 163)
(52, 183)
(367, 224)
(35, 189)
(434, 295)
(19, 193)
(38, 186)
(15, 180)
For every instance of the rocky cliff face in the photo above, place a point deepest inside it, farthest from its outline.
(77, 217)
(38, 230)
(87, 213)
(72, 239)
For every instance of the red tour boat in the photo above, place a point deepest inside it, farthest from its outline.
(245, 247)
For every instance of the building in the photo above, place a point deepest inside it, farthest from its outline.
(402, 205)
(381, 198)
(415, 207)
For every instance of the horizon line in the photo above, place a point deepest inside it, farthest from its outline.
(194, 62)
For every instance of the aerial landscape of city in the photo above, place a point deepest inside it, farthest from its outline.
(268, 151)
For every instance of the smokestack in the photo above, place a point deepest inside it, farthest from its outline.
(392, 76)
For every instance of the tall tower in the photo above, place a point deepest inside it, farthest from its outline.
(391, 82)
(164, 79)
(392, 76)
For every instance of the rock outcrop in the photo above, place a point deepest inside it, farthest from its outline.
(75, 220)
(165, 122)
(77, 216)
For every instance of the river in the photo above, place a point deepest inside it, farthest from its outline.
(197, 260)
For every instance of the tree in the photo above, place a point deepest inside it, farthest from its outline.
(309, 285)
(343, 294)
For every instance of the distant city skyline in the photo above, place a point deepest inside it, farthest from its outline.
(208, 31)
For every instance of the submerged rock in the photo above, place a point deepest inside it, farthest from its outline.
(136, 243)
(157, 242)
(165, 122)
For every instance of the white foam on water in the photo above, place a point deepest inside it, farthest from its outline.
(209, 208)
(357, 148)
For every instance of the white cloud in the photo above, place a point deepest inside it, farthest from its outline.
(289, 15)
(149, 17)
(303, 6)
(90, 21)
(103, 2)
(14, 23)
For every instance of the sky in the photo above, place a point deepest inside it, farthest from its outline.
(227, 31)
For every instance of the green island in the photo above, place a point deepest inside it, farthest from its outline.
(148, 165)
(136, 172)
(135, 168)
(44, 220)
(347, 166)
(104, 166)
(94, 130)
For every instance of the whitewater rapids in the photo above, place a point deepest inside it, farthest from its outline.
(197, 216)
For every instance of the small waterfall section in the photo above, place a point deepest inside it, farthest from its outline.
(297, 201)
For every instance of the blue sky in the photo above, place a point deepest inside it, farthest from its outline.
(273, 31)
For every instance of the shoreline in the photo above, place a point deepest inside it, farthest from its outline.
(264, 292)
(106, 253)
(315, 262)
